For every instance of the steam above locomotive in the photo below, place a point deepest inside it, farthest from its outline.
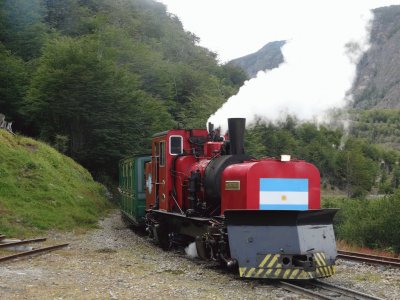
(261, 216)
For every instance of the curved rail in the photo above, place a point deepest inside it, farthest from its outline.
(32, 252)
(368, 258)
(343, 291)
(321, 290)
(16, 243)
(302, 290)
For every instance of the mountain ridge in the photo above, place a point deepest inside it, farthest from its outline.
(377, 81)
(267, 58)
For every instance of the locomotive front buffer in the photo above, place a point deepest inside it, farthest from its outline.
(282, 244)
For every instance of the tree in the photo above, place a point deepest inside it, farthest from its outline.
(356, 171)
(14, 80)
(97, 78)
(21, 27)
(93, 102)
(70, 17)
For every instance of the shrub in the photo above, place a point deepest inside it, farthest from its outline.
(372, 223)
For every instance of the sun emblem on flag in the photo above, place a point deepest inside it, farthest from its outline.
(283, 198)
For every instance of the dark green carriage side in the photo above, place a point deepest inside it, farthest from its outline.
(132, 188)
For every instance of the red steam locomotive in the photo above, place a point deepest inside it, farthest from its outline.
(261, 216)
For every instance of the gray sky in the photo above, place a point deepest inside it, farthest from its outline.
(319, 67)
(235, 28)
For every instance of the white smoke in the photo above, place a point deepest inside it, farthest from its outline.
(319, 68)
(191, 250)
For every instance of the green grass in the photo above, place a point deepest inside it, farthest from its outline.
(41, 189)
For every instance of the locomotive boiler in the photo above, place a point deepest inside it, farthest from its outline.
(261, 216)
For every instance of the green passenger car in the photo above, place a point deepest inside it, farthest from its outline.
(132, 188)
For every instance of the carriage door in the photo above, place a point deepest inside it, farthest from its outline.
(160, 172)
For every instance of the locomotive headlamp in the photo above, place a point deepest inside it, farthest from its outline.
(285, 157)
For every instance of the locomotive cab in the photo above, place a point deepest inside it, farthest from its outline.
(173, 177)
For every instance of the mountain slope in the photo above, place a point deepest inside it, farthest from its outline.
(42, 189)
(108, 74)
(267, 58)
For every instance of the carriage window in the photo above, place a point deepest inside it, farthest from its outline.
(157, 150)
(141, 180)
(162, 153)
(175, 144)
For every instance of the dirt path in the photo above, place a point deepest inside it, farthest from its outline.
(113, 262)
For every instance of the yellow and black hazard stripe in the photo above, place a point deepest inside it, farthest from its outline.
(271, 261)
(320, 259)
(324, 269)
(278, 273)
(271, 267)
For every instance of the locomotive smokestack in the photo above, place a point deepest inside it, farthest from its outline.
(210, 127)
(236, 128)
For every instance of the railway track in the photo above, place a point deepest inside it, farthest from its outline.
(13, 243)
(23, 242)
(373, 259)
(316, 289)
(30, 252)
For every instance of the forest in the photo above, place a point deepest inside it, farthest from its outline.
(96, 79)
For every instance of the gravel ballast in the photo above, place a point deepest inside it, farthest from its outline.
(114, 262)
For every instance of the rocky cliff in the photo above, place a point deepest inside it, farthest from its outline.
(378, 76)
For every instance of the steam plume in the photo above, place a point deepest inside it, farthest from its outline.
(191, 250)
(319, 68)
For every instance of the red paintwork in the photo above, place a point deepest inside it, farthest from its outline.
(249, 174)
(161, 180)
(162, 177)
(170, 182)
(197, 166)
(183, 167)
(213, 147)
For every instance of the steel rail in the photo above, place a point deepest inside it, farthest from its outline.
(395, 259)
(304, 291)
(374, 259)
(343, 290)
(306, 288)
(39, 250)
(9, 244)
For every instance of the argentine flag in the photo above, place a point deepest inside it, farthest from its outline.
(283, 194)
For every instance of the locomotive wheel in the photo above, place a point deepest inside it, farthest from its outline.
(162, 237)
(201, 248)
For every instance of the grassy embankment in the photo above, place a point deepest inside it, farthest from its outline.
(41, 189)
(370, 223)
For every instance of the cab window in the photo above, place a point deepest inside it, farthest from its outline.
(175, 144)
(162, 153)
